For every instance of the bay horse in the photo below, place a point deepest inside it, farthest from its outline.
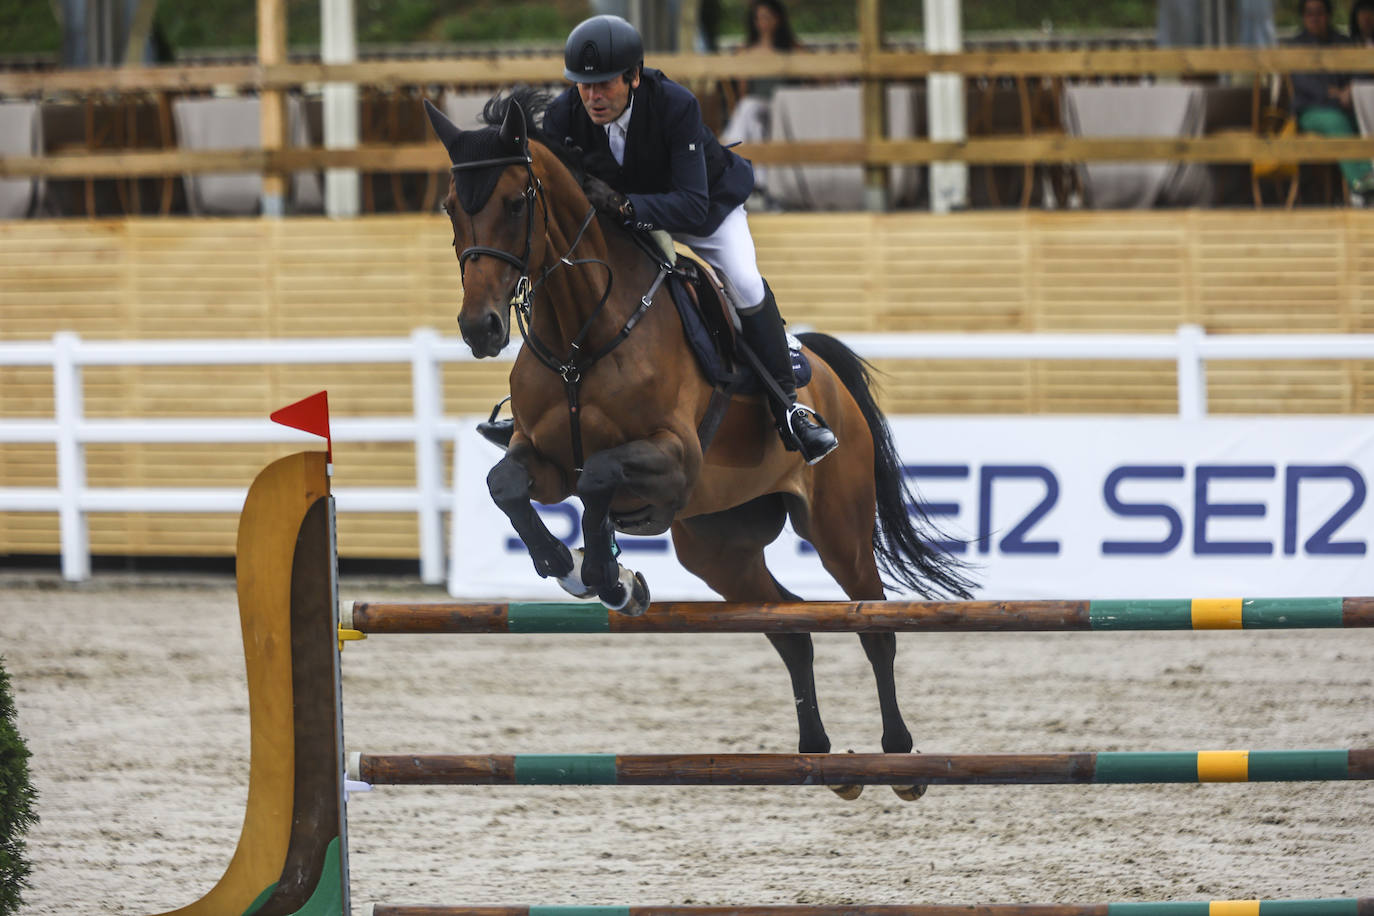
(608, 401)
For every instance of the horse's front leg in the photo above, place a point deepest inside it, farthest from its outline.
(512, 483)
(649, 471)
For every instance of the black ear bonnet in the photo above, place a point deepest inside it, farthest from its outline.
(480, 156)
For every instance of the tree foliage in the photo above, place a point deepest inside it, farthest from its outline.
(29, 27)
(17, 798)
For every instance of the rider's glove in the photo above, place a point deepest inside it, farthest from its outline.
(607, 199)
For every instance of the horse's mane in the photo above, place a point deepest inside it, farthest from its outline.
(533, 102)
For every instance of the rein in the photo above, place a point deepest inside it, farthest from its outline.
(572, 367)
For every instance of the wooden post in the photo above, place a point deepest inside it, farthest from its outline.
(876, 194)
(272, 51)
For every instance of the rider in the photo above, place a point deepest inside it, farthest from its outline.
(653, 164)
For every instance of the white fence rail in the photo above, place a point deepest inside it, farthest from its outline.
(428, 426)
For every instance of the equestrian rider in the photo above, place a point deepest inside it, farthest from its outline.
(653, 164)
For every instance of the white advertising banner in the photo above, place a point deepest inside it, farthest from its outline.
(1049, 508)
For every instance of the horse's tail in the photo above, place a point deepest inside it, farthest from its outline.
(902, 537)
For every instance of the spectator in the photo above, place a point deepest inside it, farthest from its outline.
(1362, 23)
(1321, 101)
(767, 32)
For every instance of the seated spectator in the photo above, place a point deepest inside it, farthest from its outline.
(767, 32)
(1321, 101)
(1362, 23)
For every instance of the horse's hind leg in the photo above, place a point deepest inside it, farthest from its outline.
(840, 526)
(725, 550)
(881, 649)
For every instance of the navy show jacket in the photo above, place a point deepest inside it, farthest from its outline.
(676, 174)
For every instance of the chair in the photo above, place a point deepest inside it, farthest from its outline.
(1362, 100)
(1138, 111)
(1272, 117)
(234, 123)
(835, 113)
(21, 134)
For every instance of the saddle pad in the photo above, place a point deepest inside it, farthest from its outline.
(712, 364)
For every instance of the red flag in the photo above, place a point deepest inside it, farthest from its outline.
(311, 415)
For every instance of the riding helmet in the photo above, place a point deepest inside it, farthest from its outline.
(601, 48)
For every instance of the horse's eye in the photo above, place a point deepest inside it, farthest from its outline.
(515, 205)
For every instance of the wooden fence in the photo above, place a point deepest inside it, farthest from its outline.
(871, 65)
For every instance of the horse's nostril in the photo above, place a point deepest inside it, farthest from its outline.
(493, 324)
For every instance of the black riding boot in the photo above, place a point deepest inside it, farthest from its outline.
(800, 427)
(497, 431)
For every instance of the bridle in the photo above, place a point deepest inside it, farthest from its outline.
(533, 193)
(572, 367)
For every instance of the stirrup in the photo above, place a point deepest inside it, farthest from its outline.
(497, 432)
(808, 430)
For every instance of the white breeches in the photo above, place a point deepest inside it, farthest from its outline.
(730, 250)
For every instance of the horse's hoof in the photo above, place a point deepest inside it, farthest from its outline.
(637, 593)
(632, 592)
(572, 582)
(639, 597)
(909, 793)
(848, 793)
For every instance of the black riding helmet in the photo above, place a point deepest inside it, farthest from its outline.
(601, 48)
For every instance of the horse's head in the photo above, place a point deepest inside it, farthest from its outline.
(491, 204)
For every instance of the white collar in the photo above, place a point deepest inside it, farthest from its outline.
(623, 122)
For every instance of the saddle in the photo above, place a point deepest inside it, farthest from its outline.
(710, 325)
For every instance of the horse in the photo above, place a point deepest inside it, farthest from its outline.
(608, 404)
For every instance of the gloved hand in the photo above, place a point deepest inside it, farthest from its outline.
(605, 198)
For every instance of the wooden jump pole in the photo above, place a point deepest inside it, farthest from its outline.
(861, 769)
(862, 616)
(1348, 906)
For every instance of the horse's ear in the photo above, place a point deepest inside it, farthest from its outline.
(514, 132)
(447, 132)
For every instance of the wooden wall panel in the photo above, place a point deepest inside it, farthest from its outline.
(64, 275)
(969, 274)
(1111, 271)
(199, 278)
(25, 391)
(820, 268)
(1258, 276)
(955, 387)
(1300, 387)
(1360, 267)
(1231, 271)
(1106, 387)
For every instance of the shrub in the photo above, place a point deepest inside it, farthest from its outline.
(16, 803)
